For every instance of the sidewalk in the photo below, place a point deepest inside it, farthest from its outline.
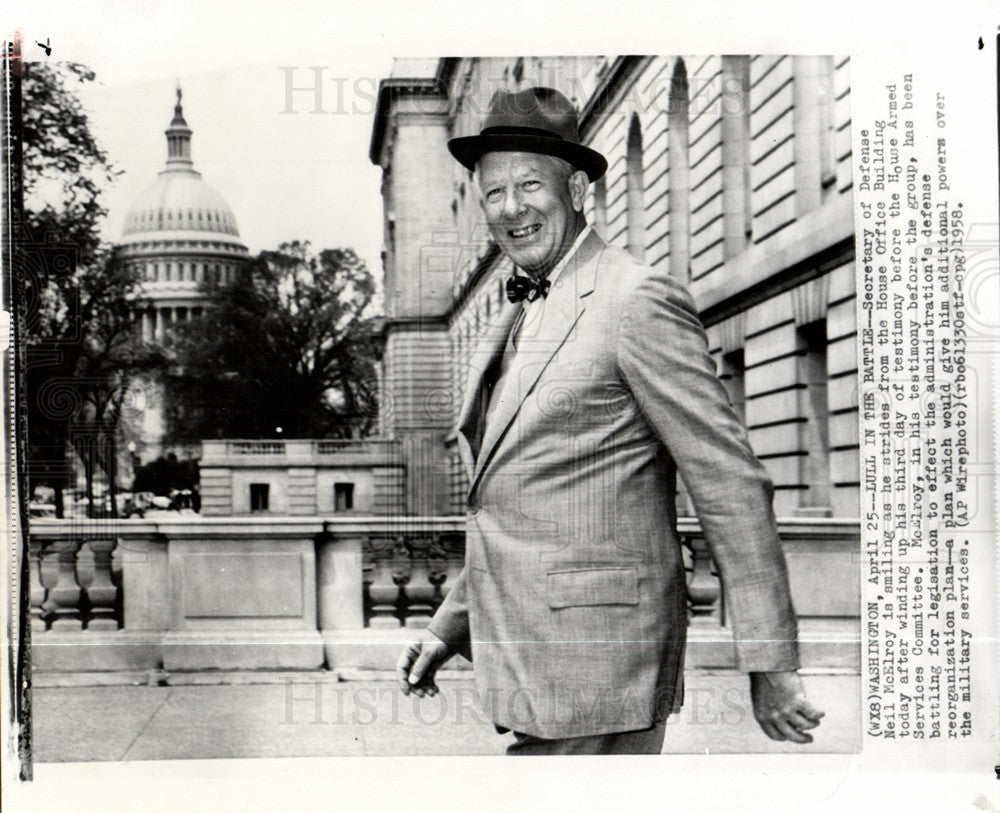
(314, 714)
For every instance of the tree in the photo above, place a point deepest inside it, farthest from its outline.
(286, 349)
(166, 474)
(79, 302)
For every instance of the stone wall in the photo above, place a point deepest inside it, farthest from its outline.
(341, 592)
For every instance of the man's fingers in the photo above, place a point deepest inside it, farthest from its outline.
(421, 665)
(809, 710)
(772, 731)
(425, 690)
(790, 732)
(405, 659)
(781, 706)
(802, 722)
(417, 665)
(405, 664)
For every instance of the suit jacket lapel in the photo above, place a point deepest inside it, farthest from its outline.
(563, 308)
(487, 351)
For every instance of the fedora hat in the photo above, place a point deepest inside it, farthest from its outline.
(539, 120)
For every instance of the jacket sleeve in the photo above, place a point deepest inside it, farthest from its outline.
(451, 621)
(663, 356)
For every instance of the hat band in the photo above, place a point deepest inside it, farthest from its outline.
(529, 131)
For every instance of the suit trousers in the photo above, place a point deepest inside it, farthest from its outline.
(645, 741)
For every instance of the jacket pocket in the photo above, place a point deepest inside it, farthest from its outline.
(591, 586)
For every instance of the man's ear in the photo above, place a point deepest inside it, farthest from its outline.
(578, 183)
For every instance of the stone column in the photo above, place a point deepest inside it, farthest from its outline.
(58, 574)
(99, 583)
(703, 586)
(38, 591)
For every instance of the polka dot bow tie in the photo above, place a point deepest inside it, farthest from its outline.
(519, 288)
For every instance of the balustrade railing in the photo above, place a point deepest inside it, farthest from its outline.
(704, 587)
(406, 578)
(75, 584)
(353, 574)
(367, 445)
(255, 447)
(297, 448)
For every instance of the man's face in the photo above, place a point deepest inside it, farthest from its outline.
(533, 205)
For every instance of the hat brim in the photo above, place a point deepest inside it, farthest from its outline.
(467, 150)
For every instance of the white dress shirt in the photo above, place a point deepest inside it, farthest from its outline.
(526, 324)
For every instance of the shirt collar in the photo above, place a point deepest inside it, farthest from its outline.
(559, 266)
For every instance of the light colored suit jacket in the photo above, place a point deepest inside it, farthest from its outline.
(572, 601)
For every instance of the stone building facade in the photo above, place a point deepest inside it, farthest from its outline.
(304, 478)
(731, 171)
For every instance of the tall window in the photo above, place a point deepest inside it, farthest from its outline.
(635, 212)
(259, 496)
(814, 414)
(343, 496)
(677, 157)
(733, 379)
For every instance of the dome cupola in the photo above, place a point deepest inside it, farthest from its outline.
(180, 237)
(179, 200)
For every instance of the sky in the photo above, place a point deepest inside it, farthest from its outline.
(307, 176)
(288, 172)
(295, 176)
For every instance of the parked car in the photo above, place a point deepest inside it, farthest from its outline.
(41, 509)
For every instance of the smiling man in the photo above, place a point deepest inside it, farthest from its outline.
(528, 210)
(592, 390)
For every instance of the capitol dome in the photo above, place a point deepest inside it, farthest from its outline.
(179, 200)
(179, 237)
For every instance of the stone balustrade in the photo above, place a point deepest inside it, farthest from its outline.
(75, 584)
(281, 592)
(298, 448)
(406, 578)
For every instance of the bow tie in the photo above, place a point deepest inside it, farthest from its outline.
(519, 288)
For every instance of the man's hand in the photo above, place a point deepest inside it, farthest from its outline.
(419, 662)
(781, 707)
